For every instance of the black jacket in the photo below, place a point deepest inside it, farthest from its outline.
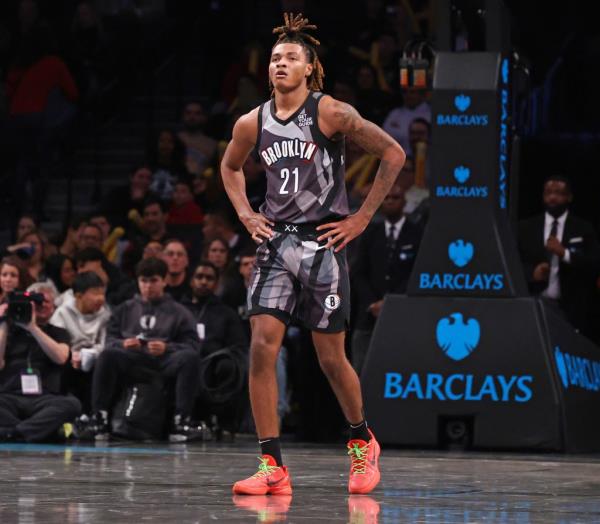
(163, 319)
(576, 277)
(222, 326)
(370, 279)
(21, 346)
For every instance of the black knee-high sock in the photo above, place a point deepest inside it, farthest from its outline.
(271, 446)
(359, 431)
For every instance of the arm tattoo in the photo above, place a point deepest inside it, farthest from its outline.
(376, 141)
(384, 180)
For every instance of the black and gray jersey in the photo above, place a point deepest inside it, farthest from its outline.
(305, 169)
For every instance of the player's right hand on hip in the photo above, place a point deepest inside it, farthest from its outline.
(258, 226)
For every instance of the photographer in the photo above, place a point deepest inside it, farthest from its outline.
(148, 334)
(32, 353)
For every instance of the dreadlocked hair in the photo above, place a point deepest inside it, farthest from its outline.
(293, 31)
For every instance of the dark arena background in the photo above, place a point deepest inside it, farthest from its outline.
(475, 331)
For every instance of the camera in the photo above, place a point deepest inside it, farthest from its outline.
(19, 305)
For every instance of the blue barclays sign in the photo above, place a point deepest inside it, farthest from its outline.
(461, 174)
(503, 146)
(458, 339)
(462, 102)
(577, 371)
(461, 253)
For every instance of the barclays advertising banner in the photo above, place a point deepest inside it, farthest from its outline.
(451, 361)
(467, 247)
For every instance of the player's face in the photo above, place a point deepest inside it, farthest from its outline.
(289, 67)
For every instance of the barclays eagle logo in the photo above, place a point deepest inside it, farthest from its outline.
(457, 339)
(462, 102)
(460, 252)
(561, 366)
(462, 174)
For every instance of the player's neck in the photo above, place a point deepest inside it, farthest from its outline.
(287, 103)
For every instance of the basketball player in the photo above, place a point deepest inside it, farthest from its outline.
(302, 229)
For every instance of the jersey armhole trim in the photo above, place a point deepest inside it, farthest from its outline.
(259, 130)
(318, 95)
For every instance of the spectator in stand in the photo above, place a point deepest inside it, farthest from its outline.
(35, 263)
(41, 93)
(31, 409)
(118, 286)
(91, 236)
(100, 220)
(112, 247)
(13, 276)
(217, 253)
(60, 269)
(371, 102)
(26, 224)
(147, 334)
(166, 154)
(85, 318)
(153, 226)
(218, 327)
(184, 211)
(201, 150)
(235, 294)
(560, 255)
(122, 200)
(71, 244)
(385, 256)
(398, 120)
(417, 195)
(219, 225)
(153, 249)
(176, 257)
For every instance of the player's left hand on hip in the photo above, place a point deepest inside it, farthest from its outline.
(340, 233)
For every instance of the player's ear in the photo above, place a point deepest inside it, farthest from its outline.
(309, 70)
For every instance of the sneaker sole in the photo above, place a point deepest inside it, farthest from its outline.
(247, 491)
(242, 490)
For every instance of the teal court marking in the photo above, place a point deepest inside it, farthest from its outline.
(55, 448)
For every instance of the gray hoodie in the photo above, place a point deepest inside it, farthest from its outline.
(87, 331)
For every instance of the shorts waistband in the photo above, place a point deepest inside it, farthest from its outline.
(309, 228)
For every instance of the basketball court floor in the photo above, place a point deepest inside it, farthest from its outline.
(134, 483)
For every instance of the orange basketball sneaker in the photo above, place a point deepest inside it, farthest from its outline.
(270, 479)
(364, 465)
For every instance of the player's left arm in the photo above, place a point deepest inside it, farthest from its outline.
(337, 117)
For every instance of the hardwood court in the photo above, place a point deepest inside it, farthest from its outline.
(127, 483)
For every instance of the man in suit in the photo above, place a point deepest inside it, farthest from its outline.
(383, 262)
(560, 253)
